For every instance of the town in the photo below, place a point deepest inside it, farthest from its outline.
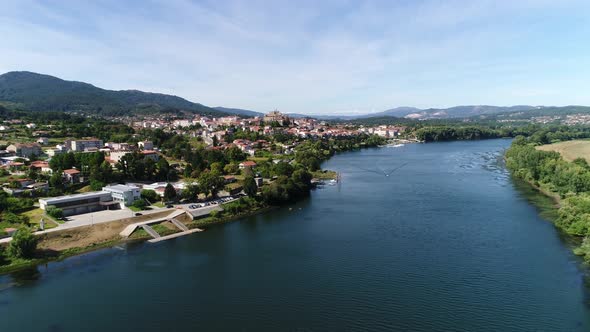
(163, 169)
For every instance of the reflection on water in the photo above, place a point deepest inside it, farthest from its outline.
(445, 243)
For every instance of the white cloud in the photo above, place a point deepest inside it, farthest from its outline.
(296, 56)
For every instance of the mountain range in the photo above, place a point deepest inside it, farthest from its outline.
(39, 92)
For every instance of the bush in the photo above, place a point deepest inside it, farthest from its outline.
(140, 204)
(23, 244)
(55, 212)
(150, 195)
(96, 185)
(250, 187)
(13, 218)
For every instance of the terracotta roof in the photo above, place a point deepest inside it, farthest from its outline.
(71, 171)
(248, 163)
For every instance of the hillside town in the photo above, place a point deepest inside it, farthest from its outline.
(80, 180)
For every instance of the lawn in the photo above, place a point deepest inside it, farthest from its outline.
(159, 204)
(35, 216)
(570, 150)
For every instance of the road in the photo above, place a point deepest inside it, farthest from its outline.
(99, 217)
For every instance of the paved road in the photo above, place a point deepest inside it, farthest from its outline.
(94, 218)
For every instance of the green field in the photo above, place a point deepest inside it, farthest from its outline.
(570, 150)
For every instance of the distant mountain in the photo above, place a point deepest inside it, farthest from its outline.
(238, 111)
(38, 92)
(433, 113)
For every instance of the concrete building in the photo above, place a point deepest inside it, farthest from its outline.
(80, 203)
(146, 145)
(25, 149)
(153, 155)
(85, 145)
(124, 194)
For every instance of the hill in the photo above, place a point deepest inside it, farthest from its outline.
(239, 111)
(38, 92)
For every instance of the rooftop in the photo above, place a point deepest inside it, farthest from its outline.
(120, 187)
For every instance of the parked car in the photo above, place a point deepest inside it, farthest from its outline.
(169, 206)
(137, 214)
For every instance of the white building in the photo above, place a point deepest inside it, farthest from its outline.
(124, 194)
(85, 144)
(146, 145)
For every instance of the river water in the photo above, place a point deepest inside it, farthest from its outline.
(422, 237)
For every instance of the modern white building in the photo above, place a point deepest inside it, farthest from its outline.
(111, 197)
(80, 203)
(123, 193)
(85, 144)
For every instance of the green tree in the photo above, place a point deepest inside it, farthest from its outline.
(250, 187)
(169, 193)
(23, 244)
(150, 195)
(55, 212)
(140, 204)
(14, 218)
(210, 183)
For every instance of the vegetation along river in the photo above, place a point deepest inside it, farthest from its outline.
(421, 237)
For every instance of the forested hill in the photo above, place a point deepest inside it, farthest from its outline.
(38, 92)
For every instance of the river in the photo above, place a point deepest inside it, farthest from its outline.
(422, 237)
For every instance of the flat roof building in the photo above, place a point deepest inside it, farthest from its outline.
(123, 193)
(80, 203)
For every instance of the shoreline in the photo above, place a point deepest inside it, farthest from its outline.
(203, 223)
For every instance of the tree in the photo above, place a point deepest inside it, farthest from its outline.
(56, 181)
(232, 168)
(217, 167)
(169, 192)
(282, 168)
(13, 218)
(140, 204)
(23, 244)
(55, 212)
(150, 195)
(247, 171)
(210, 183)
(96, 185)
(250, 187)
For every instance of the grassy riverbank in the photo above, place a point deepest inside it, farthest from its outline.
(59, 245)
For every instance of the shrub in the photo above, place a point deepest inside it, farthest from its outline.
(13, 218)
(150, 195)
(23, 244)
(140, 204)
(55, 212)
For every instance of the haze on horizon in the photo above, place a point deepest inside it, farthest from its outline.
(333, 57)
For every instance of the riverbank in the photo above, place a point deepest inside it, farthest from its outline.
(562, 181)
(59, 245)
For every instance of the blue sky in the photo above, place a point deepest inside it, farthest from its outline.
(314, 57)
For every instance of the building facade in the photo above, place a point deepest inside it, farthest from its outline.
(124, 194)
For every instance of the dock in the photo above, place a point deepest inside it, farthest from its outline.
(145, 225)
(175, 235)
